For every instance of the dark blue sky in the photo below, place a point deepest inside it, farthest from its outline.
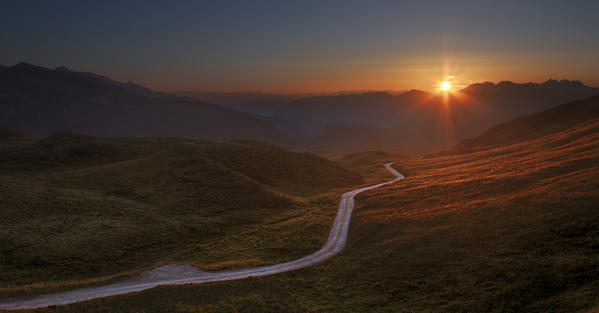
(304, 46)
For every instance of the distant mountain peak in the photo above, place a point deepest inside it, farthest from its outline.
(415, 92)
(130, 83)
(23, 64)
(62, 69)
(24, 67)
(506, 83)
(479, 86)
(564, 82)
(550, 83)
(375, 93)
(85, 102)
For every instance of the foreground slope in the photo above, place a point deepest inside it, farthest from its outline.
(509, 229)
(536, 125)
(179, 274)
(98, 206)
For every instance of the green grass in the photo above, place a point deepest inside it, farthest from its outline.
(80, 218)
(512, 229)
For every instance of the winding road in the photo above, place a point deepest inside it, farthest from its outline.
(176, 274)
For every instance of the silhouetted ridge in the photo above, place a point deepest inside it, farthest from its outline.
(9, 138)
(417, 119)
(564, 82)
(549, 84)
(261, 103)
(24, 65)
(44, 101)
(65, 137)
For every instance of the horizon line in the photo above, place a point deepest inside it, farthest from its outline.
(305, 93)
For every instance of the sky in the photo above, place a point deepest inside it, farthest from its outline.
(306, 46)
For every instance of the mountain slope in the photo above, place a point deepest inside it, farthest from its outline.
(9, 138)
(44, 101)
(536, 125)
(253, 102)
(347, 137)
(71, 149)
(128, 85)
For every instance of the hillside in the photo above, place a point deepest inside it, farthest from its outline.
(10, 138)
(536, 125)
(508, 229)
(87, 207)
(131, 86)
(69, 149)
(44, 101)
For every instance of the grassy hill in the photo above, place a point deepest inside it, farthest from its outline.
(535, 125)
(506, 229)
(69, 149)
(77, 207)
(11, 138)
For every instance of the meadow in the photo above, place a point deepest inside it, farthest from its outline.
(80, 210)
(508, 229)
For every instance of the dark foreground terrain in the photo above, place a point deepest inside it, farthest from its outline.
(501, 227)
(78, 209)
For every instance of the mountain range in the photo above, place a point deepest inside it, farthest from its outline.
(260, 103)
(44, 101)
(509, 221)
(419, 119)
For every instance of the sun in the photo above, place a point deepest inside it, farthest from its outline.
(445, 85)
